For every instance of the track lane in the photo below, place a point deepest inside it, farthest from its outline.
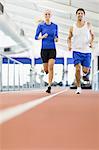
(67, 122)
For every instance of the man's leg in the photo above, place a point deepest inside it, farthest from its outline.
(78, 74)
(77, 63)
(86, 72)
(86, 66)
(78, 77)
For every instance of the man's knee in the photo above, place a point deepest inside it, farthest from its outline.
(85, 70)
(78, 68)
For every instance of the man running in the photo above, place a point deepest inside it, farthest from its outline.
(80, 40)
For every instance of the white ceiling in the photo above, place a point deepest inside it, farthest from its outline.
(27, 13)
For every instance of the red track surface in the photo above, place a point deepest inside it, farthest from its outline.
(64, 122)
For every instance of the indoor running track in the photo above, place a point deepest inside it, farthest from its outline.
(35, 120)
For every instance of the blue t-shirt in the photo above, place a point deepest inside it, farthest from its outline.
(51, 30)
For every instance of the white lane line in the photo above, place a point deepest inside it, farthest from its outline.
(12, 112)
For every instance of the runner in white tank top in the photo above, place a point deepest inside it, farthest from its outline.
(80, 40)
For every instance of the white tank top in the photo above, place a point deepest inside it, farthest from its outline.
(81, 38)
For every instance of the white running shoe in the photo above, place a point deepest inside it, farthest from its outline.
(78, 91)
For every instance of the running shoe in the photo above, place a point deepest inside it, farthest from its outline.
(86, 76)
(78, 91)
(49, 89)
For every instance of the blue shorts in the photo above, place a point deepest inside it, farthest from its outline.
(82, 58)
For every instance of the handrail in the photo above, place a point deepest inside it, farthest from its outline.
(8, 76)
(16, 61)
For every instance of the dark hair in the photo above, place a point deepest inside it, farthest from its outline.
(80, 9)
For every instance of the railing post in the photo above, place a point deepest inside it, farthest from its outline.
(0, 72)
(14, 76)
(18, 76)
(8, 75)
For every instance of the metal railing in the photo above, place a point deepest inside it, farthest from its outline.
(15, 75)
(95, 81)
(7, 73)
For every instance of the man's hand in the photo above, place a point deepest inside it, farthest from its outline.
(91, 45)
(69, 48)
(69, 42)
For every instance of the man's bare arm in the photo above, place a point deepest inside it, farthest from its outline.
(92, 34)
(69, 38)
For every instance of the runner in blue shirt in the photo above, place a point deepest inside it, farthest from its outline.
(49, 35)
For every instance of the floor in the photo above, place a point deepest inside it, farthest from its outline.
(62, 120)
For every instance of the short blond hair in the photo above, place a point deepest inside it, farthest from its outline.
(48, 10)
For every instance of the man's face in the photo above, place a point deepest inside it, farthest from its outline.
(80, 15)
